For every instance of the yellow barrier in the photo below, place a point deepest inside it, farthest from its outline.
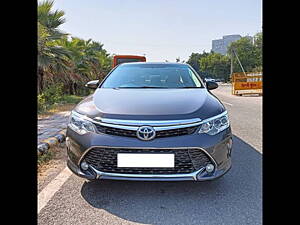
(249, 83)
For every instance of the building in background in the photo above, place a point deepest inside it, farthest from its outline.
(220, 45)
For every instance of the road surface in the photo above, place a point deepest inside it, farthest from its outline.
(52, 125)
(236, 198)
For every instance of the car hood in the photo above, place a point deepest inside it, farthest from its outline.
(149, 104)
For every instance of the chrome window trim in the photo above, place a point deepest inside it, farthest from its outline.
(193, 174)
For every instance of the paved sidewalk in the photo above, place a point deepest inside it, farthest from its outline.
(50, 126)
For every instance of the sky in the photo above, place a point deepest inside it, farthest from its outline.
(159, 29)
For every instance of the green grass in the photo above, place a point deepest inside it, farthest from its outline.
(71, 99)
(67, 102)
(46, 157)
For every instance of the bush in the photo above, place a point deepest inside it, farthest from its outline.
(71, 99)
(50, 96)
(84, 91)
(41, 103)
(53, 94)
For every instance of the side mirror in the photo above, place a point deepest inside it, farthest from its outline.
(210, 85)
(93, 84)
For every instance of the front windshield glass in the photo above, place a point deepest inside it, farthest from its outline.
(152, 76)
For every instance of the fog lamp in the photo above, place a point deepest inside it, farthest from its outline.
(84, 165)
(209, 168)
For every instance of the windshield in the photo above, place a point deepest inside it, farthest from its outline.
(152, 76)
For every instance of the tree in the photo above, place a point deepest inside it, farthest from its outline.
(218, 66)
(90, 61)
(246, 54)
(258, 38)
(215, 64)
(68, 62)
(52, 59)
(50, 19)
(194, 60)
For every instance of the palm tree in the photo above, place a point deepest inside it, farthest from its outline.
(71, 62)
(90, 60)
(50, 19)
(51, 57)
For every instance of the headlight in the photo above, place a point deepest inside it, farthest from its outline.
(215, 124)
(79, 124)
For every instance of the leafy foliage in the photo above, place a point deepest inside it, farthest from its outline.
(65, 63)
(246, 54)
(258, 39)
(50, 96)
(218, 66)
(194, 61)
(49, 19)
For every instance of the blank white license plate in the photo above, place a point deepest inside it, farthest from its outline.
(145, 160)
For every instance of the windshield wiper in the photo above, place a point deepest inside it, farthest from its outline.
(155, 87)
(191, 87)
(142, 87)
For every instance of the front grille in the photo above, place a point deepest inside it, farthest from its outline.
(176, 132)
(132, 133)
(115, 131)
(186, 160)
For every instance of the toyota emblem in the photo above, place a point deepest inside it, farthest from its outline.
(146, 133)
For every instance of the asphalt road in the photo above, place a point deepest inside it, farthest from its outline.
(245, 114)
(236, 198)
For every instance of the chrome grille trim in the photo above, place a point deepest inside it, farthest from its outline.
(158, 125)
(156, 128)
(192, 176)
(154, 123)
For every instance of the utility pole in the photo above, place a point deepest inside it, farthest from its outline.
(231, 64)
(239, 61)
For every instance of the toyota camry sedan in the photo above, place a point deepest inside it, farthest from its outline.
(150, 122)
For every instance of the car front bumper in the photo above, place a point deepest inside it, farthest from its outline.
(214, 146)
(95, 174)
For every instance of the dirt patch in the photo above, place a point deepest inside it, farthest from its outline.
(56, 109)
(56, 153)
(50, 169)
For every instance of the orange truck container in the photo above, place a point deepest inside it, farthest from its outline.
(118, 59)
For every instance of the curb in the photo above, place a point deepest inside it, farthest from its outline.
(47, 143)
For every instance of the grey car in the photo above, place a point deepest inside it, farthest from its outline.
(150, 122)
